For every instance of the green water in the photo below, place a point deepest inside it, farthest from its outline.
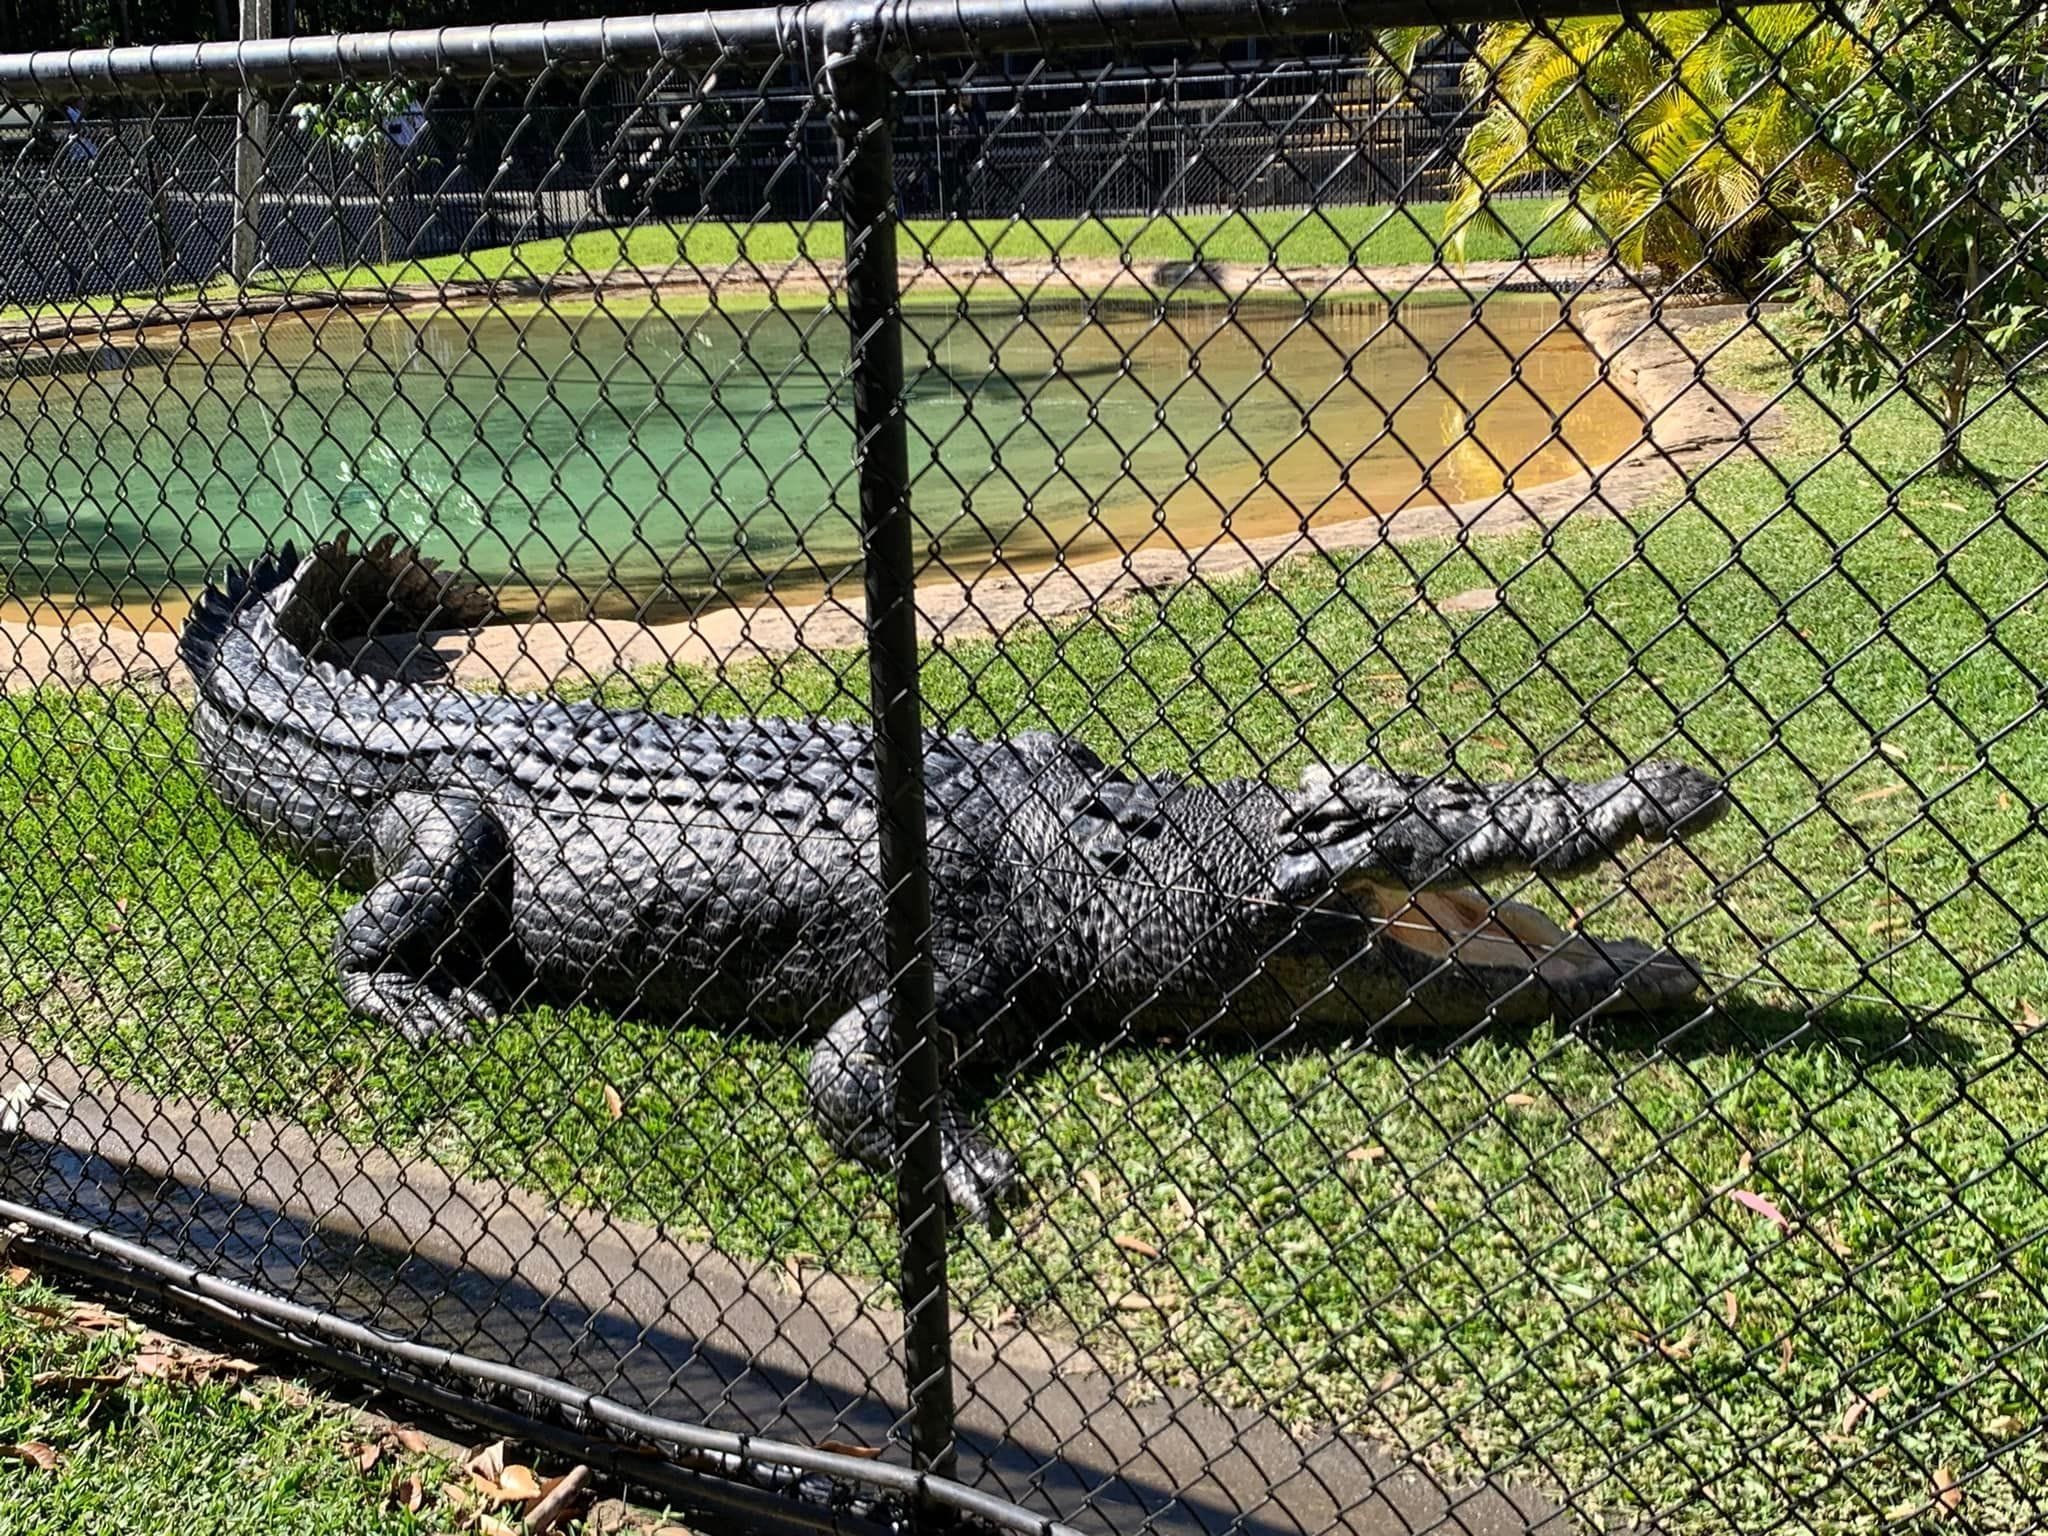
(600, 461)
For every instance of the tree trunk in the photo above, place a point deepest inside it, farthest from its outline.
(1955, 404)
(1955, 390)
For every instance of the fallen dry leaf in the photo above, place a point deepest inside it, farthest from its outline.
(1092, 1182)
(34, 1452)
(1744, 1164)
(844, 1448)
(1947, 1491)
(491, 1525)
(1519, 1100)
(367, 1455)
(1750, 1200)
(91, 1317)
(1370, 1154)
(249, 1399)
(1005, 1318)
(1730, 1308)
(410, 1440)
(487, 1461)
(1136, 1301)
(2005, 1426)
(16, 1275)
(1852, 1415)
(1108, 1095)
(408, 1494)
(518, 1483)
(1136, 1245)
(2030, 1016)
(1896, 753)
(159, 1362)
(614, 1105)
(558, 1497)
(1883, 792)
(1785, 1353)
(1676, 1349)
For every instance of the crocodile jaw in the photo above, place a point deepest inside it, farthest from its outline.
(1450, 959)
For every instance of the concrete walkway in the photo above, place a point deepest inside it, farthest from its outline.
(796, 1354)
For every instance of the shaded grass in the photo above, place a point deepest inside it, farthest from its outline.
(1533, 1273)
(149, 1456)
(1370, 235)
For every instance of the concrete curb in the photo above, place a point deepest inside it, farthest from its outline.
(497, 1271)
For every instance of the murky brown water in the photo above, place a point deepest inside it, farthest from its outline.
(649, 461)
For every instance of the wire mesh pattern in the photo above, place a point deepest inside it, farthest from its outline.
(1209, 769)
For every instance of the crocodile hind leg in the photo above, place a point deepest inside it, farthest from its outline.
(413, 949)
(853, 1095)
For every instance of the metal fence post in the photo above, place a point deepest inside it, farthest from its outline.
(862, 103)
(252, 135)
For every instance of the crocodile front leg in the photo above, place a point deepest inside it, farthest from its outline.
(413, 949)
(853, 1095)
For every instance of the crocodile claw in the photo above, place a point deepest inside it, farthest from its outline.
(978, 1172)
(422, 1014)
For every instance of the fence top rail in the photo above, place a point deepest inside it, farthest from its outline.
(926, 28)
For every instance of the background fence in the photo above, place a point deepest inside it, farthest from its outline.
(462, 168)
(1084, 494)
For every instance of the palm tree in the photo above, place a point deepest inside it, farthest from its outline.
(1683, 137)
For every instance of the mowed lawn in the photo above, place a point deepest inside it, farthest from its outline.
(1518, 1251)
(107, 1431)
(1372, 235)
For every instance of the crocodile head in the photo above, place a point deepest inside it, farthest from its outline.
(1354, 902)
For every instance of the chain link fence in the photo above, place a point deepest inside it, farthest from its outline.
(1159, 767)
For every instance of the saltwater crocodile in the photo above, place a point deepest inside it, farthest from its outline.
(718, 869)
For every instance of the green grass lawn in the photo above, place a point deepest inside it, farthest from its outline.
(1372, 235)
(1539, 1271)
(133, 1453)
(1379, 234)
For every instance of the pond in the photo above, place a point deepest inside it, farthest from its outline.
(615, 459)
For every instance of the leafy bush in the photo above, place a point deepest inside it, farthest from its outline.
(1685, 137)
(1929, 273)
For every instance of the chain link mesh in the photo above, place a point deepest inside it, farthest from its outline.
(1295, 432)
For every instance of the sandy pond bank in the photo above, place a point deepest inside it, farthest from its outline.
(1651, 354)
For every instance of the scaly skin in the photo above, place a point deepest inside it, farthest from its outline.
(711, 869)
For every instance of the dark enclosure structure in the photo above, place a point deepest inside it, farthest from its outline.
(1162, 766)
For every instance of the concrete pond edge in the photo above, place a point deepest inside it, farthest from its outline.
(1650, 352)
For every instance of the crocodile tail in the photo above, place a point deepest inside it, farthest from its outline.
(385, 588)
(219, 608)
(337, 594)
